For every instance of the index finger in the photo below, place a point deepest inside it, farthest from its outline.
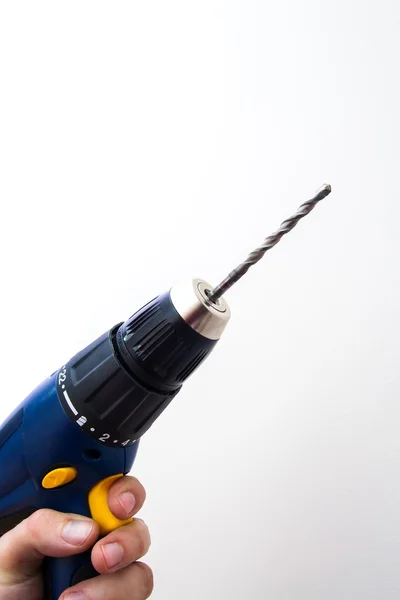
(126, 497)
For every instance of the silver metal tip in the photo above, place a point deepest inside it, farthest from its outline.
(190, 299)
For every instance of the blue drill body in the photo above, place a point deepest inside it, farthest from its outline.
(39, 436)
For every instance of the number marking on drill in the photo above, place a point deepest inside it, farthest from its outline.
(62, 376)
(126, 442)
(104, 437)
(81, 421)
(68, 399)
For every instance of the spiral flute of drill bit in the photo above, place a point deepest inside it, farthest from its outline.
(268, 243)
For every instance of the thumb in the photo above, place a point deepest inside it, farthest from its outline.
(44, 533)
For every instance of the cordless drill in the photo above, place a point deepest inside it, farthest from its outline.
(78, 431)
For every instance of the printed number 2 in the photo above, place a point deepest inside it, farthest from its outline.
(104, 437)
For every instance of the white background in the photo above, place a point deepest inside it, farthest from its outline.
(142, 143)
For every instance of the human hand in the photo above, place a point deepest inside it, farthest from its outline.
(54, 534)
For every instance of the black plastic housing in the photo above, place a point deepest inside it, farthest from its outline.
(126, 378)
(160, 347)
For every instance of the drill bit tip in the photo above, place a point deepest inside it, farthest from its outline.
(268, 243)
(325, 189)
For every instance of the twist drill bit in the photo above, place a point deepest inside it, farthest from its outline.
(268, 243)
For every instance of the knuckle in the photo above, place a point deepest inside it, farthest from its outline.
(140, 545)
(37, 521)
(142, 538)
(146, 578)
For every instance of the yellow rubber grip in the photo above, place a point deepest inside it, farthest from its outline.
(98, 504)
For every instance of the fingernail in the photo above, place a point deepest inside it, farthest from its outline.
(127, 501)
(113, 554)
(74, 596)
(77, 532)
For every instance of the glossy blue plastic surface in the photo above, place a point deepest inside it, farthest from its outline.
(47, 439)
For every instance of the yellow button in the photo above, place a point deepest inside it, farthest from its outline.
(59, 477)
(98, 504)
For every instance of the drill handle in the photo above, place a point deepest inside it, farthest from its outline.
(61, 573)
